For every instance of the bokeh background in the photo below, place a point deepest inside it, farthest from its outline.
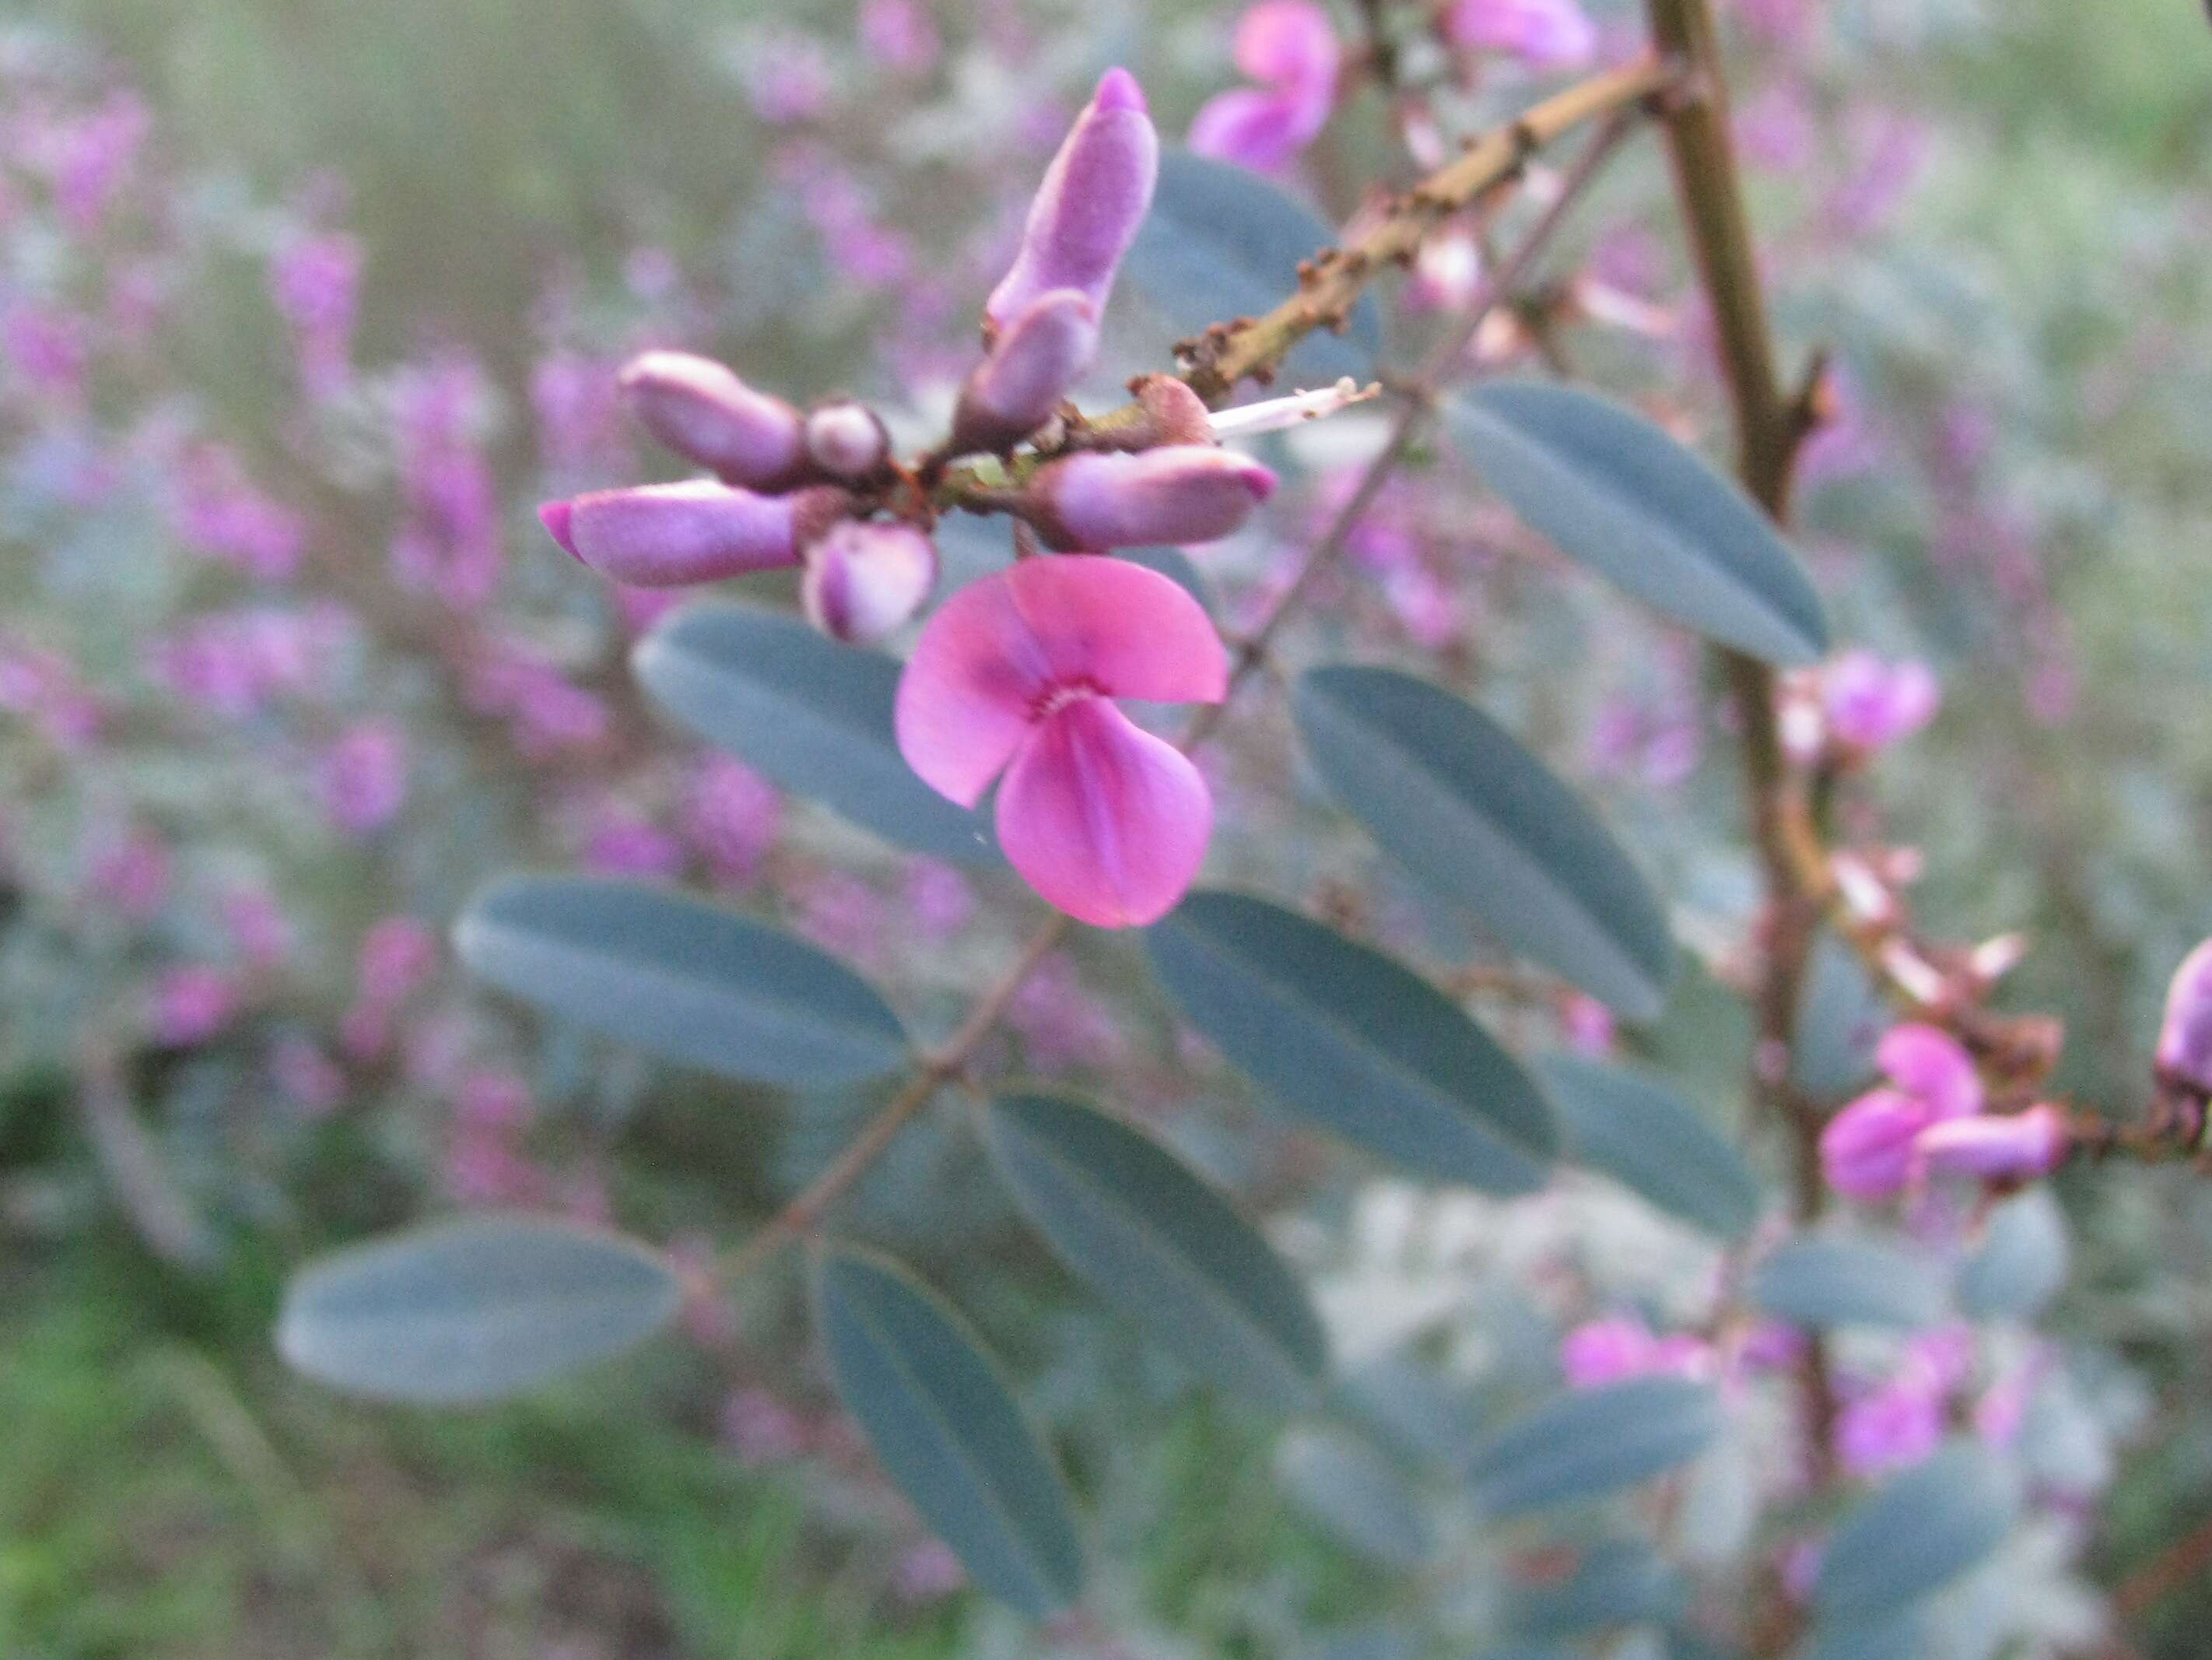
(305, 303)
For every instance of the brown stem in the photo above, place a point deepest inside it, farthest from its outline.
(800, 1215)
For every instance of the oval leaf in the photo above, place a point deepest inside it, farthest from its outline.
(1613, 492)
(1449, 794)
(1617, 1583)
(1222, 243)
(1840, 1019)
(2022, 1262)
(1349, 1039)
(1589, 1443)
(944, 1425)
(472, 1309)
(1919, 1533)
(685, 982)
(1845, 1282)
(1637, 1131)
(810, 714)
(1151, 1237)
(1349, 1491)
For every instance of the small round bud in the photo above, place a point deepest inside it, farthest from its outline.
(864, 581)
(705, 414)
(846, 440)
(2184, 1041)
(1184, 493)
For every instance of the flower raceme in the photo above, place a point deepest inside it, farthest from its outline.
(1929, 1122)
(1289, 47)
(1018, 673)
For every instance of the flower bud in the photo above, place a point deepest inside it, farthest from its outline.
(1182, 493)
(1866, 1149)
(864, 581)
(1028, 370)
(2184, 1041)
(1094, 196)
(846, 440)
(705, 414)
(667, 535)
(2008, 1147)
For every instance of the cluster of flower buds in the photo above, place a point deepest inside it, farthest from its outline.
(1018, 673)
(1855, 705)
(1929, 1120)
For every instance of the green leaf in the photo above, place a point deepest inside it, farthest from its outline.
(1354, 1495)
(683, 981)
(2022, 1262)
(1151, 1237)
(1840, 1019)
(1222, 243)
(1344, 1036)
(1635, 1129)
(1922, 1531)
(1617, 1583)
(472, 1309)
(1589, 1443)
(1613, 492)
(944, 1425)
(1844, 1282)
(1449, 794)
(810, 714)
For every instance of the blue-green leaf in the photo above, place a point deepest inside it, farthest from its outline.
(473, 1309)
(1592, 1443)
(1618, 1583)
(1847, 1282)
(1347, 1038)
(1222, 243)
(2022, 1260)
(685, 982)
(1840, 1019)
(1150, 1237)
(944, 1425)
(1456, 800)
(810, 714)
(1922, 1531)
(1635, 1129)
(1349, 1491)
(1613, 491)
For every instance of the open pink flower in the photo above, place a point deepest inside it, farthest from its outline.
(1289, 48)
(1869, 1150)
(1017, 674)
(1546, 34)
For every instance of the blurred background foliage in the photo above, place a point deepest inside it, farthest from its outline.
(165, 1491)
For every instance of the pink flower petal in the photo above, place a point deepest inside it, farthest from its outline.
(1866, 1149)
(1928, 1062)
(1287, 43)
(1261, 131)
(1106, 821)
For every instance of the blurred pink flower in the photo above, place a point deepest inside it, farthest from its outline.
(191, 1004)
(1290, 48)
(363, 777)
(1546, 34)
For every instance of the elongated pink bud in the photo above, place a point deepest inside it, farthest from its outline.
(1087, 211)
(864, 580)
(2184, 1041)
(1182, 493)
(705, 414)
(1028, 370)
(846, 441)
(1996, 1147)
(666, 535)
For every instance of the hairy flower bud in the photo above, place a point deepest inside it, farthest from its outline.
(846, 441)
(1028, 370)
(2184, 1041)
(667, 535)
(1094, 196)
(705, 414)
(864, 581)
(1184, 493)
(1996, 1147)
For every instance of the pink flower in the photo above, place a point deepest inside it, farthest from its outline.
(363, 779)
(1602, 1352)
(1997, 1147)
(1891, 1428)
(731, 815)
(1087, 210)
(1868, 1150)
(1179, 493)
(2184, 1039)
(191, 1005)
(1289, 47)
(1872, 704)
(1018, 673)
(864, 581)
(1030, 366)
(1546, 34)
(1929, 1063)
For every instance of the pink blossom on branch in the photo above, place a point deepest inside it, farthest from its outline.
(1017, 674)
(1546, 34)
(1289, 47)
(1872, 704)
